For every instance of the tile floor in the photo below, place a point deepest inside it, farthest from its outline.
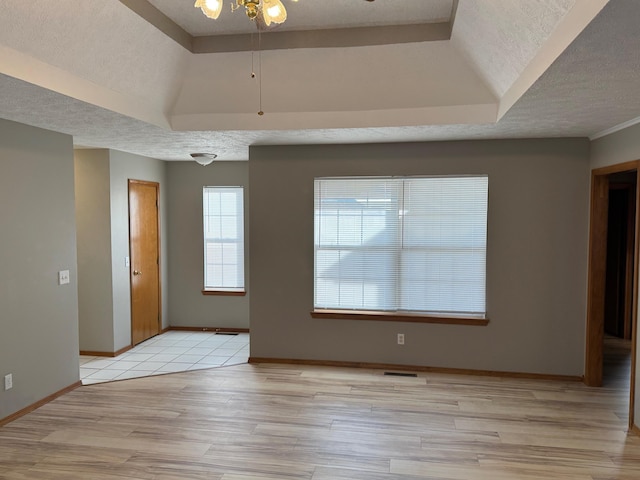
(173, 351)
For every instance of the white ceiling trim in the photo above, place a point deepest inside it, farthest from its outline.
(615, 128)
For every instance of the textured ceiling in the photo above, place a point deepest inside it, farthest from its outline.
(592, 86)
(509, 41)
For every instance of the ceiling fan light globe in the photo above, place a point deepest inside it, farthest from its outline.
(273, 11)
(211, 8)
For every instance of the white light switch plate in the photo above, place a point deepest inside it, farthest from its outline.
(8, 382)
(63, 277)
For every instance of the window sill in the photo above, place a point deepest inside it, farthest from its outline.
(396, 317)
(225, 293)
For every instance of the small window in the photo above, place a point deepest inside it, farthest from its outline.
(223, 222)
(413, 245)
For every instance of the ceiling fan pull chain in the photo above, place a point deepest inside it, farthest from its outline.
(260, 112)
(253, 51)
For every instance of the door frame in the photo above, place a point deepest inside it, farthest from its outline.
(156, 185)
(596, 277)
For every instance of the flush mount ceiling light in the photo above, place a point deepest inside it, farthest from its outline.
(262, 11)
(204, 159)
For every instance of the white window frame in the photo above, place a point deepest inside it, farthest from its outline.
(224, 274)
(330, 309)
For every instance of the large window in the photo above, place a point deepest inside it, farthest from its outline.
(223, 221)
(405, 245)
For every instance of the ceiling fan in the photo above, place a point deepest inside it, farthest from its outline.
(264, 11)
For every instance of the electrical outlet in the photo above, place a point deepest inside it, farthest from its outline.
(8, 381)
(63, 277)
(401, 339)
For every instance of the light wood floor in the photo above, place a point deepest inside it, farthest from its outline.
(267, 422)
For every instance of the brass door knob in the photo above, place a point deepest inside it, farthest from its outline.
(136, 272)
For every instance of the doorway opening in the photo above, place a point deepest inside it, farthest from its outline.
(613, 278)
(621, 214)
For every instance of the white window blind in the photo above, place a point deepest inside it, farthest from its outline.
(415, 244)
(223, 222)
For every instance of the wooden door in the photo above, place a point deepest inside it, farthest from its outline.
(144, 247)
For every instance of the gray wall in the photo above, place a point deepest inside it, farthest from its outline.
(102, 207)
(620, 147)
(93, 219)
(38, 318)
(537, 252)
(187, 306)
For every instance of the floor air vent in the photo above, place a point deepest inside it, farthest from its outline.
(226, 333)
(401, 374)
